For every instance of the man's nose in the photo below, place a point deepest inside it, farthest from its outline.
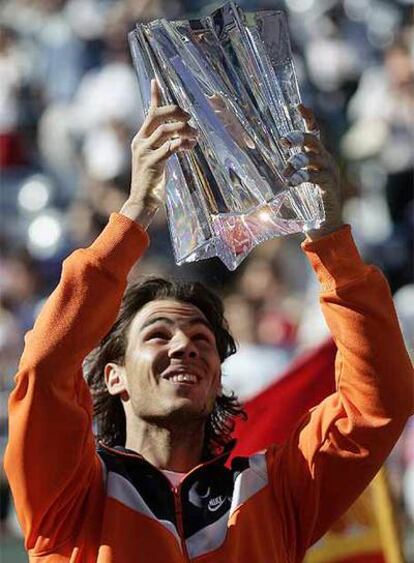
(182, 347)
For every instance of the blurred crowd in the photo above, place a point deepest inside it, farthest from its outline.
(69, 106)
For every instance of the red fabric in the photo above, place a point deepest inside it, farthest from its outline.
(12, 151)
(273, 413)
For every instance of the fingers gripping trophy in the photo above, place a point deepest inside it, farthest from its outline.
(166, 131)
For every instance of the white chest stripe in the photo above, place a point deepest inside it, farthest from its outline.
(123, 491)
(250, 482)
(247, 484)
(209, 538)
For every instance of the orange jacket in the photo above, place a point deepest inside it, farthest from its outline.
(76, 504)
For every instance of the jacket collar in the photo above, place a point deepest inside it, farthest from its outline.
(219, 459)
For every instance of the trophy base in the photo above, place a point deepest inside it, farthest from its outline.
(235, 235)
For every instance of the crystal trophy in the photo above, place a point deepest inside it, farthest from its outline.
(234, 73)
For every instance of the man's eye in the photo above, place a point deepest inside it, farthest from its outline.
(201, 336)
(158, 335)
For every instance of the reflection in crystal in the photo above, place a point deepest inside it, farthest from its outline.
(233, 72)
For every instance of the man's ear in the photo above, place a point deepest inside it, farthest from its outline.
(115, 380)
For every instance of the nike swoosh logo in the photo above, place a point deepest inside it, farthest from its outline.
(216, 503)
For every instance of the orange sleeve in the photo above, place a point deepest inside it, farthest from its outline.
(50, 457)
(340, 445)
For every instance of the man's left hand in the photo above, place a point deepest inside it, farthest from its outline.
(314, 164)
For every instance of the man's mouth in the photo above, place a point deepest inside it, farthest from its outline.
(181, 376)
(186, 378)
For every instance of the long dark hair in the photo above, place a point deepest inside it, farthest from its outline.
(108, 411)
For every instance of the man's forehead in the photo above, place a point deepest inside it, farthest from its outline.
(176, 311)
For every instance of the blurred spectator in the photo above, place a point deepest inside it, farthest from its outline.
(19, 287)
(11, 345)
(382, 130)
(261, 312)
(13, 75)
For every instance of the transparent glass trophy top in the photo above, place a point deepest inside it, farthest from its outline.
(234, 73)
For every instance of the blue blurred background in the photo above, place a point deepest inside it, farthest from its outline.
(69, 106)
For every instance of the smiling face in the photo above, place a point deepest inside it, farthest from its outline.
(172, 366)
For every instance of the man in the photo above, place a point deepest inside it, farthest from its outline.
(157, 490)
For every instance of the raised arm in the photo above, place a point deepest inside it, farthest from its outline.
(50, 458)
(340, 445)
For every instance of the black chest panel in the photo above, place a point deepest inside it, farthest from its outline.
(204, 496)
(151, 484)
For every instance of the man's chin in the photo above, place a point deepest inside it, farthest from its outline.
(185, 405)
(179, 410)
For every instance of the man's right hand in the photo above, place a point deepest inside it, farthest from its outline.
(164, 132)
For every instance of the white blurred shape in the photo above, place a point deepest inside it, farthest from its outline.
(109, 93)
(384, 18)
(105, 156)
(330, 62)
(34, 193)
(382, 25)
(364, 139)
(404, 304)
(253, 368)
(312, 329)
(357, 10)
(299, 6)
(408, 489)
(380, 39)
(369, 217)
(87, 17)
(45, 234)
